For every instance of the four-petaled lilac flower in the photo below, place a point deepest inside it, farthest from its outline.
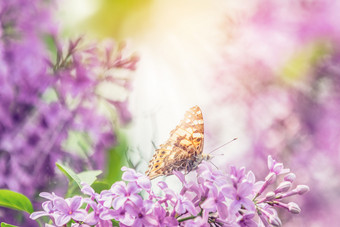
(239, 196)
(246, 220)
(48, 210)
(162, 218)
(180, 202)
(126, 193)
(216, 202)
(276, 167)
(143, 215)
(68, 209)
(141, 180)
(121, 215)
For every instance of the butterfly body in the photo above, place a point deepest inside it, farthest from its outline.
(183, 150)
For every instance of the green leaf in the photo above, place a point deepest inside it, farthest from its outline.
(116, 159)
(15, 200)
(89, 176)
(100, 186)
(115, 223)
(3, 224)
(69, 173)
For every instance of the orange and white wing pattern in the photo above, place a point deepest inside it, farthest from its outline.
(182, 149)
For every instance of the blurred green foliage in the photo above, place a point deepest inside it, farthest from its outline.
(304, 60)
(116, 158)
(119, 18)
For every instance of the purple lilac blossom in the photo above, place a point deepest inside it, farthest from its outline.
(285, 76)
(229, 202)
(44, 99)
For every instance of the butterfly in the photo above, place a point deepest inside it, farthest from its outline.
(183, 150)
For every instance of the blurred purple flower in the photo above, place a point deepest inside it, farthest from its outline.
(43, 101)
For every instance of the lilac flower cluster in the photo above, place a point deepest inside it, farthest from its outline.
(291, 99)
(215, 198)
(46, 96)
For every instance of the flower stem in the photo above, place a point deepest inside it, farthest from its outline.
(191, 217)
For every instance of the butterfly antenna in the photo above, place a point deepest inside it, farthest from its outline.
(222, 145)
(213, 164)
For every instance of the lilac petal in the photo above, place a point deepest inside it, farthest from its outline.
(229, 192)
(105, 194)
(270, 162)
(118, 188)
(151, 220)
(250, 177)
(75, 203)
(209, 203)
(124, 168)
(127, 220)
(92, 219)
(222, 210)
(170, 193)
(38, 214)
(147, 205)
(102, 223)
(248, 204)
(133, 188)
(79, 215)
(129, 174)
(136, 199)
(180, 208)
(234, 207)
(88, 190)
(144, 182)
(62, 219)
(119, 202)
(277, 168)
(162, 185)
(47, 195)
(180, 176)
(190, 207)
(170, 221)
(48, 206)
(244, 189)
(61, 205)
(133, 211)
(108, 214)
(213, 191)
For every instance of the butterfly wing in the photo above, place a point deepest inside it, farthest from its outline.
(185, 143)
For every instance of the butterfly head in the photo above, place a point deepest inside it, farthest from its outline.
(206, 157)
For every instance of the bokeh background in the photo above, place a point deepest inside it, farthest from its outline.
(266, 72)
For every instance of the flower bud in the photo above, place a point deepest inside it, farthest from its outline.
(270, 196)
(283, 187)
(294, 208)
(270, 178)
(290, 177)
(274, 220)
(302, 189)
